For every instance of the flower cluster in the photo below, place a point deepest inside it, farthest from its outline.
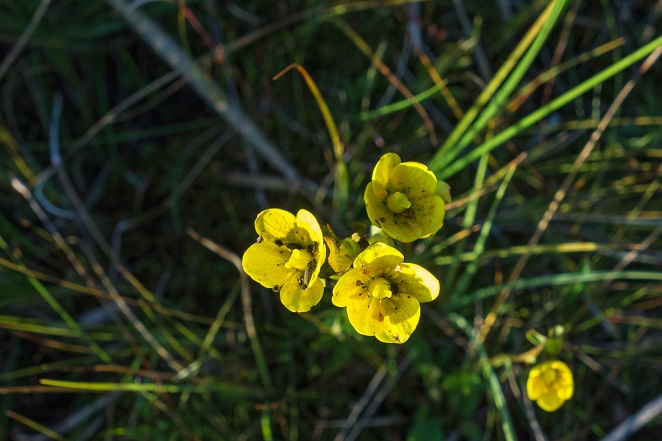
(381, 293)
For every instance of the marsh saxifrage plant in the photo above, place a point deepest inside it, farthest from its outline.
(381, 293)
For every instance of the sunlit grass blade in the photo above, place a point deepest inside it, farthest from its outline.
(547, 109)
(467, 221)
(525, 91)
(557, 280)
(399, 105)
(441, 160)
(61, 311)
(556, 249)
(226, 388)
(33, 326)
(491, 377)
(9, 142)
(489, 91)
(441, 84)
(35, 426)
(479, 246)
(67, 364)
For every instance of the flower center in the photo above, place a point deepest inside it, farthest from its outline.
(550, 377)
(379, 288)
(299, 260)
(397, 202)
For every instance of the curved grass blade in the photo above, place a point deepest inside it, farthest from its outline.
(341, 188)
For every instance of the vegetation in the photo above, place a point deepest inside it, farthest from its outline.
(141, 139)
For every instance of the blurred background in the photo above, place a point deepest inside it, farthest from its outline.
(140, 139)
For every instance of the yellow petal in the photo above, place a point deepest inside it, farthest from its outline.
(390, 320)
(298, 300)
(379, 257)
(363, 314)
(414, 179)
(309, 228)
(565, 391)
(414, 280)
(534, 386)
(565, 386)
(429, 214)
(550, 402)
(375, 205)
(401, 228)
(265, 263)
(444, 191)
(400, 320)
(276, 224)
(351, 286)
(381, 173)
(312, 234)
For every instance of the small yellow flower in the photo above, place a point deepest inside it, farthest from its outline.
(404, 199)
(287, 257)
(550, 384)
(383, 295)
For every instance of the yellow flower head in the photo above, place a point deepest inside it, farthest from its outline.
(383, 295)
(550, 384)
(403, 199)
(287, 257)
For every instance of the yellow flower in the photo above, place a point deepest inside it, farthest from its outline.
(550, 384)
(404, 199)
(383, 295)
(287, 257)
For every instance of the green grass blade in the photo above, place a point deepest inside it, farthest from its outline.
(35, 426)
(505, 253)
(229, 389)
(64, 315)
(490, 375)
(557, 280)
(489, 90)
(479, 246)
(545, 110)
(399, 105)
(467, 223)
